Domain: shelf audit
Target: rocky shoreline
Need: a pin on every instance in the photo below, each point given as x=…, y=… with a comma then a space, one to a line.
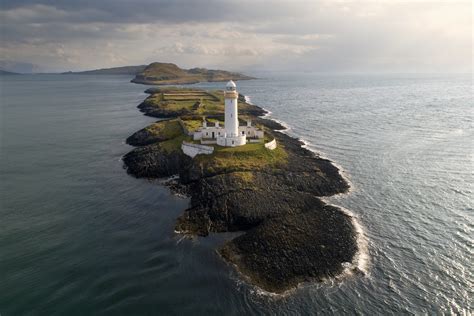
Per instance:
x=291, y=236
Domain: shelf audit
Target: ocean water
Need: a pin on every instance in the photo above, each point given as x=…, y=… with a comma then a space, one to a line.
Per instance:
x=78, y=236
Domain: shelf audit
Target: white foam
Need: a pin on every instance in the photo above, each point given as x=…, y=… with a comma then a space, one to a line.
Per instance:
x=342, y=172
x=247, y=99
x=359, y=265
x=361, y=260
x=267, y=116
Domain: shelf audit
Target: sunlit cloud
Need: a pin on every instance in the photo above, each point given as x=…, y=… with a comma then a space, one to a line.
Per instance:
x=350, y=36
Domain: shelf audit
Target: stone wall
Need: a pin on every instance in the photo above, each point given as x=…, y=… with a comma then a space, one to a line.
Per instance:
x=183, y=126
x=192, y=150
x=271, y=144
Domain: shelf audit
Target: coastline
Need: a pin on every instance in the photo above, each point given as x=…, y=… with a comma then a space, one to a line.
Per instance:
x=361, y=258
x=305, y=205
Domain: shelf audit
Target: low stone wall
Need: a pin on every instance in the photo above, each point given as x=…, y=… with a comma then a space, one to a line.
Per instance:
x=271, y=144
x=192, y=150
x=183, y=126
x=208, y=141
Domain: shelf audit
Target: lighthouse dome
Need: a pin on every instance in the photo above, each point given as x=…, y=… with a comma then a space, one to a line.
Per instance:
x=230, y=86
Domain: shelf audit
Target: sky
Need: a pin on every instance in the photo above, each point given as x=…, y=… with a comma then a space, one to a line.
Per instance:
x=342, y=36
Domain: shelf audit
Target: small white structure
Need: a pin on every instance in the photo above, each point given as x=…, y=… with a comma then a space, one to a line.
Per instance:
x=231, y=134
x=192, y=150
x=271, y=144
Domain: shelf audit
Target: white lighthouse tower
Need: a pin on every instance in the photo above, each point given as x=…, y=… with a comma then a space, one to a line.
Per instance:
x=231, y=113
x=231, y=136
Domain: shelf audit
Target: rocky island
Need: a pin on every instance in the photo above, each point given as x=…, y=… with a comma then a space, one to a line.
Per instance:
x=290, y=236
x=168, y=73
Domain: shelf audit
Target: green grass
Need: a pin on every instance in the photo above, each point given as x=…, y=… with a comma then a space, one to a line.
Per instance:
x=178, y=99
x=245, y=176
x=192, y=125
x=174, y=144
x=242, y=160
x=250, y=157
x=165, y=129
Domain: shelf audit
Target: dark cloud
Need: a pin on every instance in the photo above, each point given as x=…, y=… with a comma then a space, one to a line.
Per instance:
x=146, y=11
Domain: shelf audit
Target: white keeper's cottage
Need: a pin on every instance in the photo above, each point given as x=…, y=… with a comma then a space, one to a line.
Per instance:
x=231, y=134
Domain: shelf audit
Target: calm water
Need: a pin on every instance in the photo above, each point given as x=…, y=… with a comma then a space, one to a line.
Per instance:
x=79, y=236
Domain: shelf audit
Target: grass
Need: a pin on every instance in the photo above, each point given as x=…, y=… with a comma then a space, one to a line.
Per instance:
x=250, y=157
x=192, y=125
x=245, y=176
x=179, y=99
x=165, y=129
x=213, y=120
x=174, y=144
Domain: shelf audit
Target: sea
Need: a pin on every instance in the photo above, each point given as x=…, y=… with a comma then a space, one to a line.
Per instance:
x=79, y=236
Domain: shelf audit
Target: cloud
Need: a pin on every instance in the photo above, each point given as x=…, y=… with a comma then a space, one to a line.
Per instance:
x=199, y=49
x=324, y=35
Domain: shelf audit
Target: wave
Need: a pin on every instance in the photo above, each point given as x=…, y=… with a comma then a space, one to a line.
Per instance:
x=268, y=116
x=342, y=172
x=247, y=100
x=361, y=260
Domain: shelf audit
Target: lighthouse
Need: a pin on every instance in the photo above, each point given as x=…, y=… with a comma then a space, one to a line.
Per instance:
x=231, y=134
x=231, y=137
x=231, y=113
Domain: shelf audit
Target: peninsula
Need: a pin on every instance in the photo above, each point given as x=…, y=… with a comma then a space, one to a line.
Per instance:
x=270, y=193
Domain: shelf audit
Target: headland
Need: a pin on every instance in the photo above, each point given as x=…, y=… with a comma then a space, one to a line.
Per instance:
x=290, y=236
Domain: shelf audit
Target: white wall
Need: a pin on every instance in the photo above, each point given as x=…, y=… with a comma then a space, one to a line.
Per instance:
x=232, y=141
x=192, y=150
x=271, y=145
x=231, y=117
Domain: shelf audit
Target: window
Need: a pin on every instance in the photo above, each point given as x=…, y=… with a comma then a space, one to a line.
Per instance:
x=243, y=132
x=232, y=142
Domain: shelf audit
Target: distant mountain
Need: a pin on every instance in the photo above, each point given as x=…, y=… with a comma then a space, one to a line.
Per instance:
x=126, y=70
x=167, y=73
x=19, y=67
x=7, y=73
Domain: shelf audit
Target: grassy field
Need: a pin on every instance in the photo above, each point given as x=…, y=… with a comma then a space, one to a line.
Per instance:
x=250, y=157
x=165, y=129
x=185, y=99
x=174, y=144
x=192, y=125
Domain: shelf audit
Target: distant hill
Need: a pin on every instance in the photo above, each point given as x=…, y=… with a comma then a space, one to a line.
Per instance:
x=7, y=73
x=19, y=67
x=126, y=70
x=167, y=73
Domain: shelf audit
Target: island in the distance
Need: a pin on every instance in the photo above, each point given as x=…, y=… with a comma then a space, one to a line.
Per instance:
x=270, y=193
x=167, y=73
